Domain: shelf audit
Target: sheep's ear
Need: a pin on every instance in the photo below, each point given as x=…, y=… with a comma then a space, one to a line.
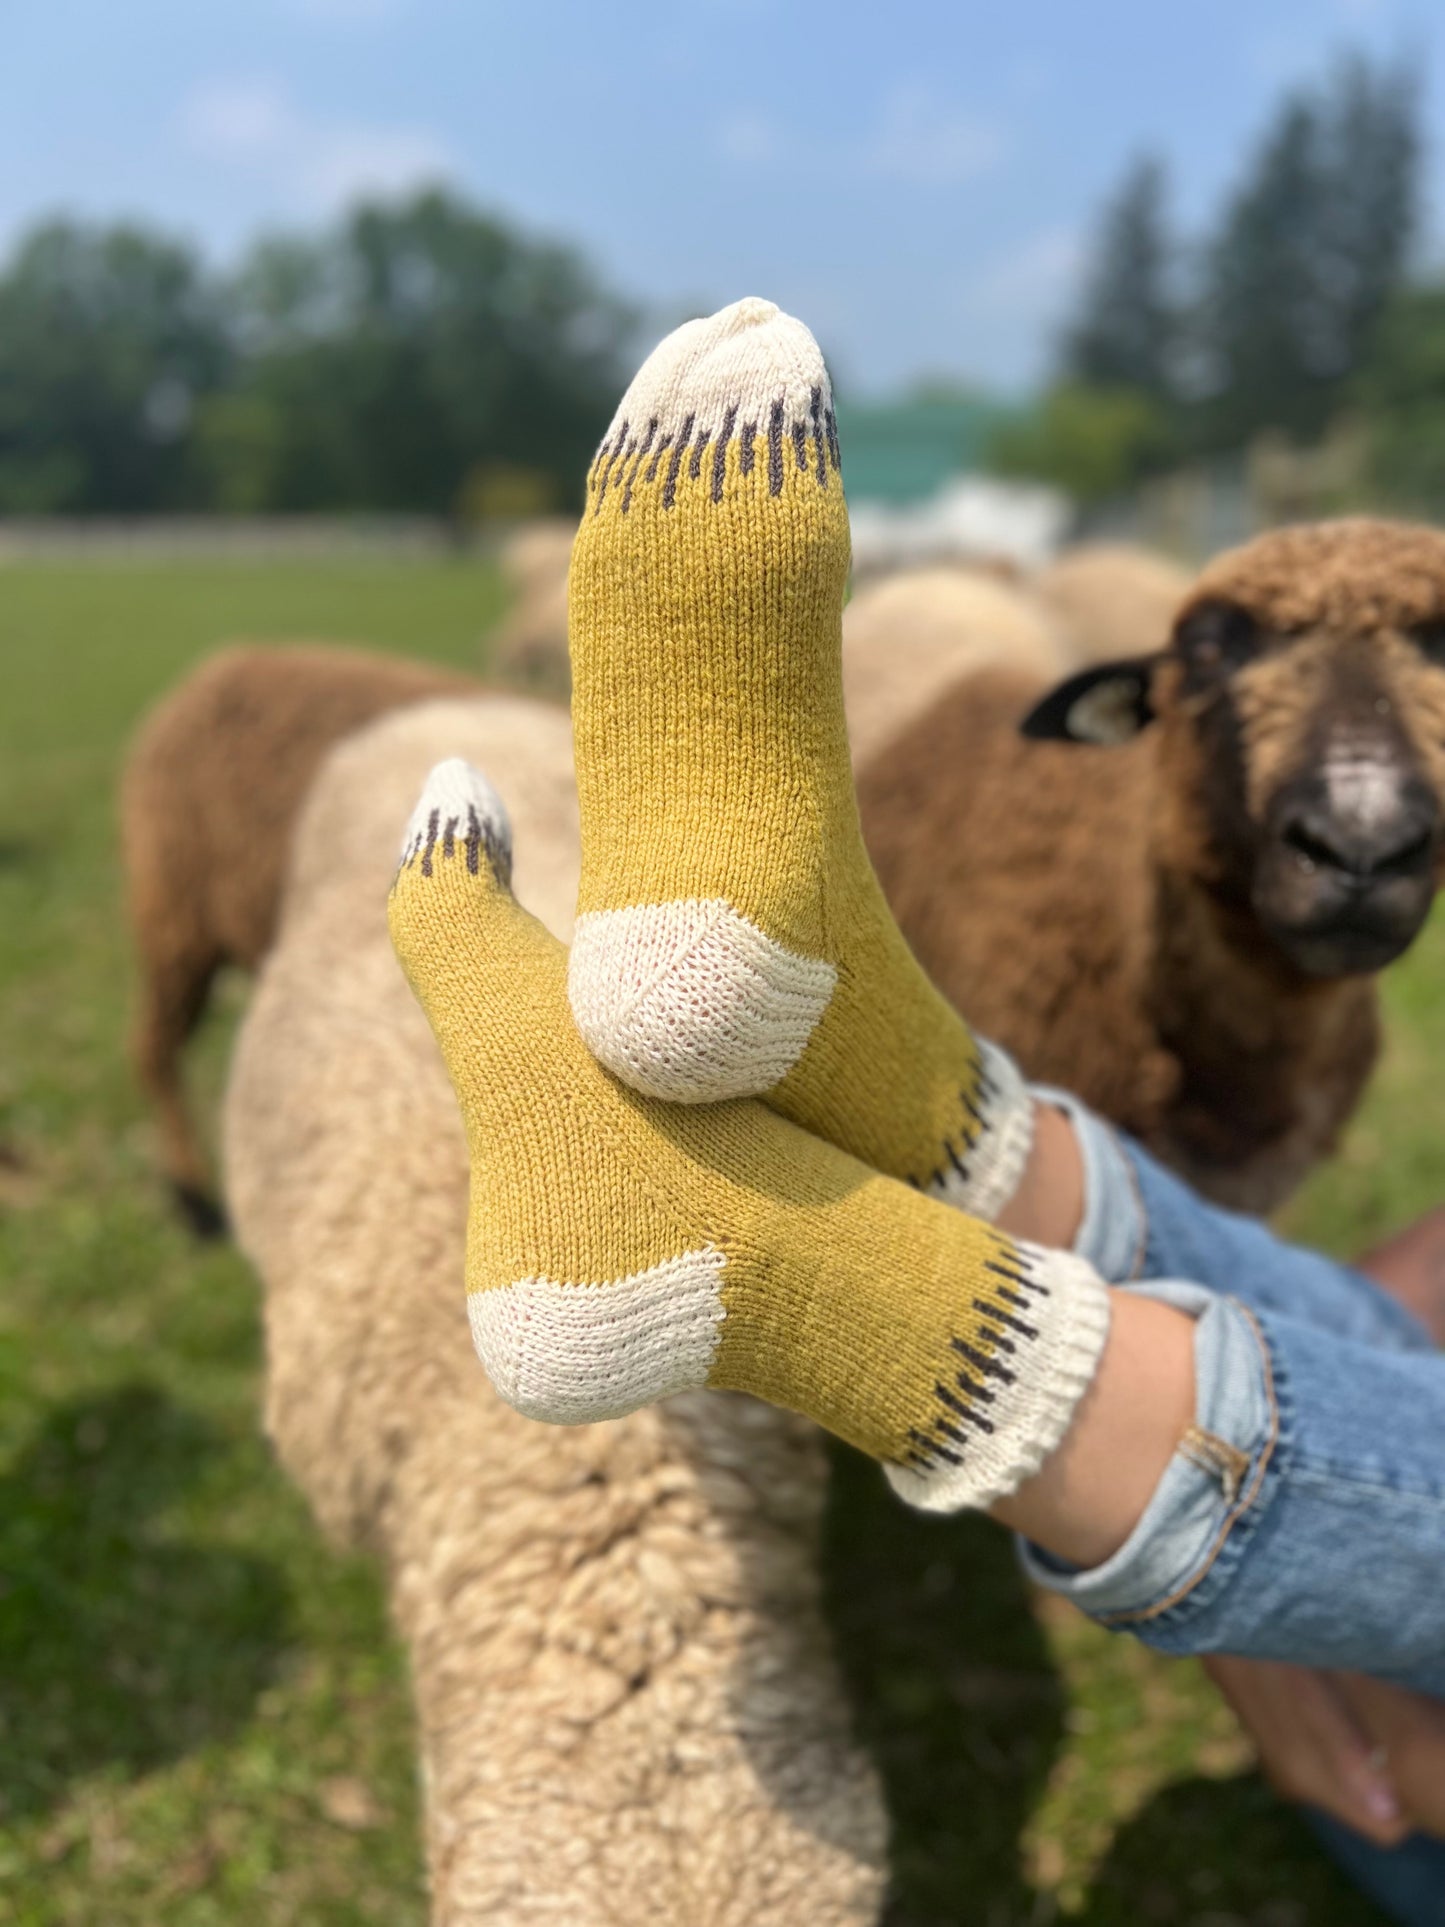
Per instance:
x=1109, y=703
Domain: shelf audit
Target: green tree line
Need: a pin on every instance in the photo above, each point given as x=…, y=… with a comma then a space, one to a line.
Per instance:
x=1298, y=309
x=418, y=357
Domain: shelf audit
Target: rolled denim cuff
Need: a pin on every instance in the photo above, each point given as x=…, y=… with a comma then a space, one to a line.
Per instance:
x=1215, y=1475
x=1113, y=1230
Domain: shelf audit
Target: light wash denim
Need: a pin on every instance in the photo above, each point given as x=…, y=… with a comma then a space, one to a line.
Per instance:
x=1306, y=1519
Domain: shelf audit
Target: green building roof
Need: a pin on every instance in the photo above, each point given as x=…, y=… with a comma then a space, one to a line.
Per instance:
x=904, y=452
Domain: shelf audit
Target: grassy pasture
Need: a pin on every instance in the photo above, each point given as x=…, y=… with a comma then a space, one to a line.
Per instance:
x=203, y=1717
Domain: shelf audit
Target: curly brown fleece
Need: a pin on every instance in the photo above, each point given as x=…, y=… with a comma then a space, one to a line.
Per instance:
x=627, y=1707
x=1070, y=898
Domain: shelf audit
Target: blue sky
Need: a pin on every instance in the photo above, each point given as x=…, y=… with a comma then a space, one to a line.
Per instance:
x=914, y=177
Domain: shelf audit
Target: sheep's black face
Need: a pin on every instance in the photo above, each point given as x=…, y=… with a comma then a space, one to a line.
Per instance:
x=1320, y=776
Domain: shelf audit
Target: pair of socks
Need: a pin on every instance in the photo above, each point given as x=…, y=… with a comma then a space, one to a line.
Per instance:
x=737, y=1139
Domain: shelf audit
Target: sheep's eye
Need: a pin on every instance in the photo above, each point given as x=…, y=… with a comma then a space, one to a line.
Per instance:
x=1216, y=638
x=1429, y=638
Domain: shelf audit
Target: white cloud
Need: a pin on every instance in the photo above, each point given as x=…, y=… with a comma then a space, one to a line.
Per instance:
x=917, y=138
x=925, y=141
x=749, y=140
x=322, y=164
x=239, y=119
x=1031, y=281
x=373, y=160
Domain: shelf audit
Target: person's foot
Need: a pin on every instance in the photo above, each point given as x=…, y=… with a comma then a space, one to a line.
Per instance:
x=731, y=937
x=621, y=1249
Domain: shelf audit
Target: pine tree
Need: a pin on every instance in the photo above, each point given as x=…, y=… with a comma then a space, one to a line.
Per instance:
x=1310, y=249
x=1125, y=335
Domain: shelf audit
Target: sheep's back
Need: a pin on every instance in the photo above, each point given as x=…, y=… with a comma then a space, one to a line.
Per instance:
x=907, y=637
x=220, y=767
x=626, y=1705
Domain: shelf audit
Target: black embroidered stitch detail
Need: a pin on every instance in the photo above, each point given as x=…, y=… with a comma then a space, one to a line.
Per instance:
x=982, y=1363
x=664, y=442
x=643, y=447
x=720, y=453
x=775, y=448
x=624, y=461
x=933, y=1449
x=816, y=410
x=669, y=487
x=446, y=836
x=606, y=474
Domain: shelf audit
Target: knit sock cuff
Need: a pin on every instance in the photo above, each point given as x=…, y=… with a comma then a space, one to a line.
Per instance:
x=1030, y=1415
x=984, y=1181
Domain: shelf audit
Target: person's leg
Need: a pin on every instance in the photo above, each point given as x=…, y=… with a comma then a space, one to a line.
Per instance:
x=1136, y=1218
x=731, y=937
x=707, y=585
x=624, y=1249
x=1303, y=1516
x=1138, y=1221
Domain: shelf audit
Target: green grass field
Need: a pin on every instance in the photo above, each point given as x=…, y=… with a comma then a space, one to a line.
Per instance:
x=203, y=1716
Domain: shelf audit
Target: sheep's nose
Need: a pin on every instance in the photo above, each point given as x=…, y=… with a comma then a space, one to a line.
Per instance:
x=1365, y=833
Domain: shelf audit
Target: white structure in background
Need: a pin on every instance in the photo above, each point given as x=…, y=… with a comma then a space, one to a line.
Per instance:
x=975, y=518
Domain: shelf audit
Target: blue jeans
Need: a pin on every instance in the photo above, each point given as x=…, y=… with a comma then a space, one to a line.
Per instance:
x=1306, y=1521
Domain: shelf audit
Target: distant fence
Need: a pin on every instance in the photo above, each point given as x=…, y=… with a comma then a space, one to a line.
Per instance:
x=1196, y=511
x=235, y=538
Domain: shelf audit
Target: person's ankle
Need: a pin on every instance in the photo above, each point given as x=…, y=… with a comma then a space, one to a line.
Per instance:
x=1088, y=1497
x=1048, y=1206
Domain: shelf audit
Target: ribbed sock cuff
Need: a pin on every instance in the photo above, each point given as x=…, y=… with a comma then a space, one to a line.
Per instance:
x=1029, y=1417
x=996, y=1160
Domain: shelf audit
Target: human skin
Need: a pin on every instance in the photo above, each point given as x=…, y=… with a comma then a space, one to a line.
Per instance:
x=1089, y=1495
x=1367, y=1753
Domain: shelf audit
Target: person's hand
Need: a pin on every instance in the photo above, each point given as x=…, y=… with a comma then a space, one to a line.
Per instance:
x=1407, y=1730
x=1411, y=1267
x=1315, y=1746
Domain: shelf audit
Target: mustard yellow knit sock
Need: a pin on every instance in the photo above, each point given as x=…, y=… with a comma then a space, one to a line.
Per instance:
x=621, y=1249
x=732, y=938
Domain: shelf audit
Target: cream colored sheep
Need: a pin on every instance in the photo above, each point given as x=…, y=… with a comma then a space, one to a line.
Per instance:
x=627, y=1709
x=908, y=636
x=1110, y=599
x=529, y=645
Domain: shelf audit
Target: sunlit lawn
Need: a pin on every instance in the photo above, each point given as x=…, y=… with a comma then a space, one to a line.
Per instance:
x=203, y=1716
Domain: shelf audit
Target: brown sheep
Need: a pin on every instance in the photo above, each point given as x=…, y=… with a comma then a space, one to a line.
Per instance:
x=906, y=637
x=211, y=789
x=627, y=1706
x=1110, y=599
x=1185, y=927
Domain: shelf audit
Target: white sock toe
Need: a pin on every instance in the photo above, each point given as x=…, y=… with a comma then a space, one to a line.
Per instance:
x=458, y=805
x=691, y=1001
